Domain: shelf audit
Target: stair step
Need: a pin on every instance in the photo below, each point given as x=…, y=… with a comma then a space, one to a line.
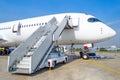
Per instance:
x=23, y=71
x=24, y=62
x=27, y=59
x=23, y=66
x=28, y=54
x=32, y=49
x=39, y=42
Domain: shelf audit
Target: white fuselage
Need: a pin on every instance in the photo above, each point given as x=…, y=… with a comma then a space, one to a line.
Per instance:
x=88, y=29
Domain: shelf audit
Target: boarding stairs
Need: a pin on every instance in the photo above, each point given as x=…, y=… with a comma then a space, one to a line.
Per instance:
x=31, y=54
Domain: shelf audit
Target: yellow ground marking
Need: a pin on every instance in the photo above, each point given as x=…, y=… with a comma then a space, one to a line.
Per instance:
x=108, y=62
x=103, y=66
x=50, y=69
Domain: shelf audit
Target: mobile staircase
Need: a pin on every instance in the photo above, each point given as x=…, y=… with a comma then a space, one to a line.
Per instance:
x=31, y=54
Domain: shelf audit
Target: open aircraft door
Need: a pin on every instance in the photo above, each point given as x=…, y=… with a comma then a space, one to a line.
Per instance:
x=75, y=22
x=16, y=28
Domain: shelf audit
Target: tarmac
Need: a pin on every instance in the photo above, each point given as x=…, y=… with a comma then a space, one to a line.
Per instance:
x=75, y=69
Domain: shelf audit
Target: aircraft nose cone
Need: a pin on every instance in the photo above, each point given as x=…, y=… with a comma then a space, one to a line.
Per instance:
x=113, y=33
x=109, y=32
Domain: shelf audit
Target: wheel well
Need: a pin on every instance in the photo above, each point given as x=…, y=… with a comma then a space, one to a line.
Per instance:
x=66, y=59
x=55, y=62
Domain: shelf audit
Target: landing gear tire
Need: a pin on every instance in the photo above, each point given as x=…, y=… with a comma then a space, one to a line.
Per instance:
x=53, y=65
x=81, y=53
x=65, y=61
x=85, y=56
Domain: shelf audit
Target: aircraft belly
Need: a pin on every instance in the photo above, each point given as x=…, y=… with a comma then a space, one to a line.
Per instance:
x=68, y=37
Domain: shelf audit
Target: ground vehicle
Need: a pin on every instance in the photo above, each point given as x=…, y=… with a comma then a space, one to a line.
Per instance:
x=56, y=56
x=6, y=50
x=87, y=52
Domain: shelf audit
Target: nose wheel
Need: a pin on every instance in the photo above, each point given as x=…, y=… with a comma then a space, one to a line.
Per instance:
x=85, y=56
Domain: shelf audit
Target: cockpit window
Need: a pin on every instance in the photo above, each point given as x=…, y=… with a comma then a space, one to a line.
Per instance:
x=93, y=20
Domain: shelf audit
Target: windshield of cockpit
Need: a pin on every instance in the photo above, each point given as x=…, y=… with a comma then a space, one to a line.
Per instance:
x=93, y=20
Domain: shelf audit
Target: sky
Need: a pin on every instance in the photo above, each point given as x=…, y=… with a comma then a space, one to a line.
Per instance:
x=107, y=11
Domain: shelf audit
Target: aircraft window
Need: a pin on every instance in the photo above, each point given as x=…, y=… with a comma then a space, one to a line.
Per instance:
x=31, y=24
x=93, y=20
x=24, y=26
x=9, y=27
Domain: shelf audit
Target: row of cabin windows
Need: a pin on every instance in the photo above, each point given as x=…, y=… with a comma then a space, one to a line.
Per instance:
x=5, y=28
x=30, y=25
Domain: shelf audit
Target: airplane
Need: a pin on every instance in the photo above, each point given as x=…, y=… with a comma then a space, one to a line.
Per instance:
x=87, y=29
